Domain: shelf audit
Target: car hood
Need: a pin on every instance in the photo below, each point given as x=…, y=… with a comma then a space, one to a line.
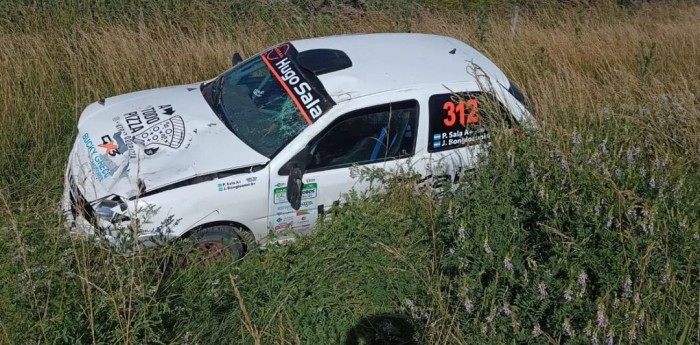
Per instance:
x=150, y=139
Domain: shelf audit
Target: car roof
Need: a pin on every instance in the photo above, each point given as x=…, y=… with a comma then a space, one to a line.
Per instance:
x=396, y=61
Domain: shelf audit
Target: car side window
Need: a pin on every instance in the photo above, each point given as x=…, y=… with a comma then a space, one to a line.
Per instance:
x=366, y=136
x=459, y=120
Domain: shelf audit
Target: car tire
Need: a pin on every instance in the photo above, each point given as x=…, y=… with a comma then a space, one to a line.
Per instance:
x=219, y=241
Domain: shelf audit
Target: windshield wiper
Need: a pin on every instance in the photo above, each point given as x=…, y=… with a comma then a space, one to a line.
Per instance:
x=213, y=94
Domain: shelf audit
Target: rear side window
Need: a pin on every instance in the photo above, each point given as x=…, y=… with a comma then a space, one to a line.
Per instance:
x=367, y=136
x=461, y=119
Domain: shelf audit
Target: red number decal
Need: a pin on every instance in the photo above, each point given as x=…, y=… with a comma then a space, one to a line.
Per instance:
x=451, y=116
x=461, y=109
x=473, y=118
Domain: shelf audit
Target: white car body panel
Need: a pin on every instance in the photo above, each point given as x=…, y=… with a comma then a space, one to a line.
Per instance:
x=203, y=174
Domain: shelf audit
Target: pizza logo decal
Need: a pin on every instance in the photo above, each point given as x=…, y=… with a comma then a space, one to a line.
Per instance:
x=170, y=132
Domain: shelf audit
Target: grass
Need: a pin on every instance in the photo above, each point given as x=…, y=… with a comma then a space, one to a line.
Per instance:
x=586, y=230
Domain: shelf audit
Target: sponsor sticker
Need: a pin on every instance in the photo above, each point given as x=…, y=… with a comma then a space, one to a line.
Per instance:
x=285, y=217
x=101, y=166
x=151, y=127
x=307, y=192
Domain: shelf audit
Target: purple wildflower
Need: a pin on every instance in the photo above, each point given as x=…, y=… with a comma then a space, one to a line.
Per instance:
x=643, y=171
x=609, y=223
x=468, y=306
x=452, y=251
x=507, y=264
x=627, y=288
x=505, y=310
x=489, y=319
x=652, y=183
x=601, y=318
x=582, y=277
x=632, y=335
x=609, y=340
x=542, y=289
x=616, y=303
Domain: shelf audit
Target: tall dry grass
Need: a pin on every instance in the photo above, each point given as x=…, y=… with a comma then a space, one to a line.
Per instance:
x=581, y=66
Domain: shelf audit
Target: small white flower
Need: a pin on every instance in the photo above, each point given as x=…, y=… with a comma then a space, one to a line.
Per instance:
x=568, y=295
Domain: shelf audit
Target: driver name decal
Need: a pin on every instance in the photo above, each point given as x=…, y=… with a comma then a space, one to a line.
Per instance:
x=303, y=88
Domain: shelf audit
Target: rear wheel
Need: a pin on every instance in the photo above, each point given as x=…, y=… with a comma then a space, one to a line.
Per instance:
x=219, y=241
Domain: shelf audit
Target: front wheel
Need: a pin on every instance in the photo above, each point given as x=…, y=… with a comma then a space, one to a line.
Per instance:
x=220, y=241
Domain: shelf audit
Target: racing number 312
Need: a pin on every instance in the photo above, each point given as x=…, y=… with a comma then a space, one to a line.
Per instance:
x=454, y=109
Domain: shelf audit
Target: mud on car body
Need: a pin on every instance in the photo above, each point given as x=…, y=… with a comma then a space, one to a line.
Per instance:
x=267, y=146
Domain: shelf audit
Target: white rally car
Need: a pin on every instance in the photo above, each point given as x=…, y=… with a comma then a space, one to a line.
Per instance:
x=268, y=146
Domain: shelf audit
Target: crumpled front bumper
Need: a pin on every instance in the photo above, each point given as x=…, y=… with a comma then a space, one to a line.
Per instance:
x=79, y=214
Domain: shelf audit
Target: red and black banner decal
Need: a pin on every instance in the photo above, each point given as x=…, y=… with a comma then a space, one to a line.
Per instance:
x=303, y=87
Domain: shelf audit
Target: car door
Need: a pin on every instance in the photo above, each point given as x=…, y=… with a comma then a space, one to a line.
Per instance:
x=382, y=136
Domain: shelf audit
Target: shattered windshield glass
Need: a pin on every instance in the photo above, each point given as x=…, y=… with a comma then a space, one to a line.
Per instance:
x=255, y=107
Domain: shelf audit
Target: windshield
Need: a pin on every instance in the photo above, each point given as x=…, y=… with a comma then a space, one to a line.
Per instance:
x=255, y=107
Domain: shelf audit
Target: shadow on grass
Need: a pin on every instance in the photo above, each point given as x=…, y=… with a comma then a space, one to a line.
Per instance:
x=386, y=329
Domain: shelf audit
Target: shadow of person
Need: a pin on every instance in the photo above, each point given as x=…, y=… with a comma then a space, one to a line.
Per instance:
x=383, y=329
